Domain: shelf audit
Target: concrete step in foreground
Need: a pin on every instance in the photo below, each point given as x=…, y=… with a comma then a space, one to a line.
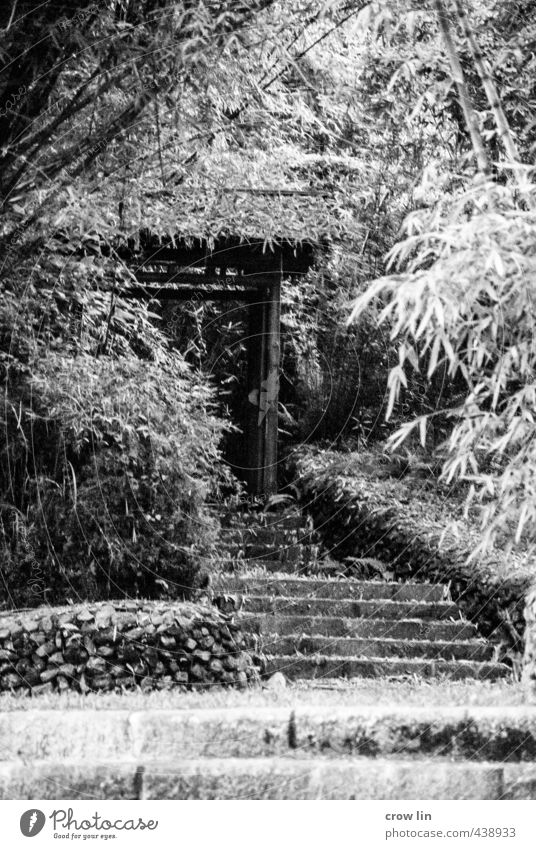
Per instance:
x=271, y=753
x=459, y=733
x=267, y=779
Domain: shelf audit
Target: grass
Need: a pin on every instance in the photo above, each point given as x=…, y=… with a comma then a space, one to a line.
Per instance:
x=416, y=692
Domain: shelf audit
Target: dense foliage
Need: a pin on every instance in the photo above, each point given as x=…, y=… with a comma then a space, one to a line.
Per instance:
x=110, y=444
x=458, y=299
x=108, y=456
x=326, y=122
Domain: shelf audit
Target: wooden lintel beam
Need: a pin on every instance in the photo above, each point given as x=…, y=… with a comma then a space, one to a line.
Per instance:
x=184, y=278
x=187, y=293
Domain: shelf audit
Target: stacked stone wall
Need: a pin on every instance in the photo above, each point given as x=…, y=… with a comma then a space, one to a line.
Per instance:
x=122, y=644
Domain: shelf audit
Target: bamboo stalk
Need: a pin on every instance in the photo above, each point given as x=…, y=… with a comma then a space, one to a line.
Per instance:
x=471, y=118
x=490, y=88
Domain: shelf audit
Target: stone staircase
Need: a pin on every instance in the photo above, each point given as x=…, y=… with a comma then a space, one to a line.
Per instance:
x=312, y=622
x=299, y=743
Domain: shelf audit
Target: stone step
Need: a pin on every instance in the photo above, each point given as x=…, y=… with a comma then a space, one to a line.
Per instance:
x=359, y=779
x=267, y=778
x=265, y=533
x=303, y=566
x=352, y=647
x=372, y=609
x=262, y=584
x=290, y=523
x=294, y=554
x=261, y=521
x=476, y=733
x=331, y=626
x=334, y=666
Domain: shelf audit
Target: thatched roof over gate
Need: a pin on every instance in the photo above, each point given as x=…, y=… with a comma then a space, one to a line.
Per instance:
x=251, y=196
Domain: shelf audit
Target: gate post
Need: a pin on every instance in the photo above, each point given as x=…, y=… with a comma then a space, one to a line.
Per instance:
x=271, y=385
x=256, y=347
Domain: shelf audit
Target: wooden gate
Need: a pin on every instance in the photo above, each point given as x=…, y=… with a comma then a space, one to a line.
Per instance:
x=230, y=270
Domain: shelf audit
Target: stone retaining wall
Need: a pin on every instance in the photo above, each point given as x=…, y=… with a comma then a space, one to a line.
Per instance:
x=122, y=644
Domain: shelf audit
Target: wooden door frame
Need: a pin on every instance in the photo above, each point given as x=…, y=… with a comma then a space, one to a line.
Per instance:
x=263, y=294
